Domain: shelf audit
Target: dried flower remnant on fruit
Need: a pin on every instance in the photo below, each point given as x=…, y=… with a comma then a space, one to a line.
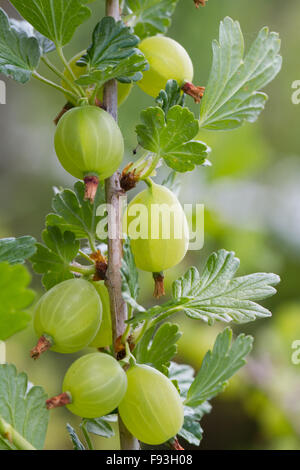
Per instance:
x=159, y=289
x=120, y=348
x=60, y=400
x=129, y=179
x=43, y=344
x=100, y=265
x=91, y=185
x=200, y=2
x=196, y=92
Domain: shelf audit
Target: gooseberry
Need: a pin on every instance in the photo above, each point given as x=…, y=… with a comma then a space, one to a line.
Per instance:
x=168, y=60
x=89, y=144
x=93, y=386
x=151, y=408
x=67, y=317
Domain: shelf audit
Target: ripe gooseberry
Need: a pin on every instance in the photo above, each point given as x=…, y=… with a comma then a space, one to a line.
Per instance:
x=151, y=408
x=104, y=336
x=67, y=317
x=158, y=229
x=168, y=60
x=124, y=89
x=93, y=386
x=89, y=145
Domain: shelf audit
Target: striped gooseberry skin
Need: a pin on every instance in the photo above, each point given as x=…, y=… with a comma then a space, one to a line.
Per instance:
x=124, y=89
x=88, y=141
x=158, y=250
x=96, y=383
x=104, y=336
x=151, y=409
x=70, y=314
x=168, y=60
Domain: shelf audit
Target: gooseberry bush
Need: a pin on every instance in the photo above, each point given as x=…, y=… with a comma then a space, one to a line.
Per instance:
x=91, y=284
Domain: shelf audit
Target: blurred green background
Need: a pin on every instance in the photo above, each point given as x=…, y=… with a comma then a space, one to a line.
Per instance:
x=252, y=206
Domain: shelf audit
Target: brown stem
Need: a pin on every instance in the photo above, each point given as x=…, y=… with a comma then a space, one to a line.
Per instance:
x=159, y=288
x=174, y=444
x=64, y=110
x=43, y=344
x=60, y=400
x=118, y=306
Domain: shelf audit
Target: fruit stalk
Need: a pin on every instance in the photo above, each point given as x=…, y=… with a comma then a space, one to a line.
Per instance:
x=113, y=276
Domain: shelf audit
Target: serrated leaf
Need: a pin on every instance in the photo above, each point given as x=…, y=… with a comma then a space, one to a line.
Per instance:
x=218, y=366
x=100, y=426
x=17, y=250
x=112, y=54
x=172, y=95
x=23, y=26
x=15, y=297
x=77, y=444
x=74, y=214
x=171, y=137
x=149, y=17
x=215, y=295
x=53, y=259
x=231, y=96
x=22, y=408
x=157, y=348
x=19, y=51
x=55, y=19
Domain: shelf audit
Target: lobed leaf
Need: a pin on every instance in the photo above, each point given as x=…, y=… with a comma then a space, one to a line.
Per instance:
x=216, y=295
x=157, y=348
x=15, y=297
x=100, y=426
x=149, y=17
x=112, y=54
x=22, y=407
x=53, y=259
x=231, y=96
x=19, y=50
x=74, y=214
x=77, y=444
x=130, y=277
x=218, y=366
x=172, y=95
x=171, y=137
x=55, y=19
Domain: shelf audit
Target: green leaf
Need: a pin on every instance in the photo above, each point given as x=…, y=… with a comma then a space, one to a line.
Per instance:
x=74, y=438
x=100, y=426
x=231, y=96
x=22, y=26
x=14, y=298
x=23, y=407
x=74, y=214
x=149, y=17
x=218, y=366
x=183, y=375
x=171, y=137
x=216, y=295
x=17, y=250
x=157, y=348
x=53, y=259
x=55, y=19
x=112, y=55
x=170, y=96
x=19, y=51
x=130, y=277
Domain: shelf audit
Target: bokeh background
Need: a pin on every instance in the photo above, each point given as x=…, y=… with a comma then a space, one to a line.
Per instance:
x=252, y=206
